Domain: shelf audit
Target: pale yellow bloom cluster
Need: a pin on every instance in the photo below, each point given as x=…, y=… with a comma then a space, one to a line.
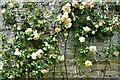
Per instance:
x=37, y=53
x=35, y=34
x=67, y=8
x=65, y=17
x=41, y=21
x=88, y=63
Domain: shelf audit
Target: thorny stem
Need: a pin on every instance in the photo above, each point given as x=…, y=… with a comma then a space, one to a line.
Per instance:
x=62, y=72
x=74, y=58
x=104, y=72
x=65, y=63
x=54, y=71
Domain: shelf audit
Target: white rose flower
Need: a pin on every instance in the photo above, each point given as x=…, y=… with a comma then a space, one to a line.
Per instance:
x=59, y=17
x=68, y=5
x=88, y=63
x=44, y=71
x=74, y=3
x=19, y=28
x=100, y=24
x=81, y=7
x=82, y=39
x=96, y=26
x=36, y=35
x=11, y=76
x=11, y=5
x=88, y=18
x=40, y=51
x=93, y=32
x=2, y=2
x=93, y=49
x=28, y=31
x=33, y=56
x=17, y=65
x=61, y=58
x=17, y=52
x=3, y=11
x=87, y=29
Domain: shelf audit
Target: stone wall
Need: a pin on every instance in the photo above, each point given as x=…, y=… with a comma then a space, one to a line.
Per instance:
x=98, y=70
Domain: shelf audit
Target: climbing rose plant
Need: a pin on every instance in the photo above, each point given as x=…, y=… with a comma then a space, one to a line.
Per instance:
x=33, y=49
x=87, y=23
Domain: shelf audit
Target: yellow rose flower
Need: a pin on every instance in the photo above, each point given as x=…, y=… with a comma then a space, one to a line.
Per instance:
x=64, y=17
x=116, y=53
x=68, y=25
x=67, y=21
x=88, y=63
x=57, y=30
